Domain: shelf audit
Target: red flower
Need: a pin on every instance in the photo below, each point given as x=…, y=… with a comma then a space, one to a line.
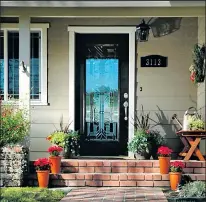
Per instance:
x=164, y=151
x=192, y=76
x=55, y=150
x=177, y=166
x=42, y=164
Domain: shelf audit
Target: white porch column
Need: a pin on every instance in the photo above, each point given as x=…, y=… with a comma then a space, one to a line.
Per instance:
x=132, y=85
x=24, y=64
x=72, y=79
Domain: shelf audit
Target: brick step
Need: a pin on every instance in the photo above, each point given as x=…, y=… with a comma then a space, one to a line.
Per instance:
x=123, y=166
x=112, y=179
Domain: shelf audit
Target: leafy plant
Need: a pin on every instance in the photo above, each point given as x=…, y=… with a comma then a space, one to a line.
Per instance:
x=30, y=194
x=193, y=189
x=141, y=121
x=155, y=138
x=58, y=138
x=176, y=166
x=196, y=123
x=197, y=69
x=139, y=143
x=42, y=164
x=14, y=125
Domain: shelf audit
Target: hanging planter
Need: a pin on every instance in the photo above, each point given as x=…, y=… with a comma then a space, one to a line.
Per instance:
x=164, y=154
x=197, y=69
x=55, y=159
x=42, y=166
x=176, y=168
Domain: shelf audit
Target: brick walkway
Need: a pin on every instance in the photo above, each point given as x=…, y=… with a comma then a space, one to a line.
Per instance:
x=120, y=194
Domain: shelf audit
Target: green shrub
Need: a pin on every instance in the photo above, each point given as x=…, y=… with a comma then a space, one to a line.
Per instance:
x=139, y=143
x=193, y=189
x=30, y=195
x=14, y=125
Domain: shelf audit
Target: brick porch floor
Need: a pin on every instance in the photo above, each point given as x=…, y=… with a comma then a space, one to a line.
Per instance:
x=120, y=194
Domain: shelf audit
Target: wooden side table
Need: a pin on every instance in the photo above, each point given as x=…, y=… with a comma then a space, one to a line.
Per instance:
x=191, y=140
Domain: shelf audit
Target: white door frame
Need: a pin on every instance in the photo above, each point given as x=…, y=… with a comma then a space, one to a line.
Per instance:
x=103, y=30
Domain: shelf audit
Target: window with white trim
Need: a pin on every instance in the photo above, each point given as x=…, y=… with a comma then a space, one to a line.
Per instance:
x=9, y=62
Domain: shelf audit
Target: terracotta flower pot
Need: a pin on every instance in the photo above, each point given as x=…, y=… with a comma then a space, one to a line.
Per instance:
x=55, y=164
x=164, y=163
x=43, y=178
x=175, y=178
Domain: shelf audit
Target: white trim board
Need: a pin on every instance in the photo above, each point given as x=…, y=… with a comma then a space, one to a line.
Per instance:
x=42, y=27
x=103, y=30
x=106, y=3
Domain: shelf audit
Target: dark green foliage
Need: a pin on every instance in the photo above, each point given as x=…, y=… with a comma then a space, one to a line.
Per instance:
x=199, y=62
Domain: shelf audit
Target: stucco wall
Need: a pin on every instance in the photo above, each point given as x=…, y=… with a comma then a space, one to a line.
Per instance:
x=201, y=89
x=168, y=89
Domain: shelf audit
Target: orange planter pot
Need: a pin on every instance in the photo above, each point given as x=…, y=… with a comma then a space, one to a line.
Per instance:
x=43, y=178
x=55, y=164
x=164, y=163
x=175, y=180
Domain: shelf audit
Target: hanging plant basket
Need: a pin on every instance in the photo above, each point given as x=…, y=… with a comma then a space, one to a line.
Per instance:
x=197, y=69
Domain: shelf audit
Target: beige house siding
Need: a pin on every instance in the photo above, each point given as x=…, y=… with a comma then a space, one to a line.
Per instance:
x=201, y=89
x=166, y=91
x=167, y=88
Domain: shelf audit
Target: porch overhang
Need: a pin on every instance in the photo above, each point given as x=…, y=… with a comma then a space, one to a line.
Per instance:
x=112, y=12
x=102, y=3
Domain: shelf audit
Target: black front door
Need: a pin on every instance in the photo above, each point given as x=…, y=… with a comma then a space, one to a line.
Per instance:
x=101, y=93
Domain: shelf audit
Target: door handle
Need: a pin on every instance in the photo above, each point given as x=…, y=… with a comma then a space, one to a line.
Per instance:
x=125, y=104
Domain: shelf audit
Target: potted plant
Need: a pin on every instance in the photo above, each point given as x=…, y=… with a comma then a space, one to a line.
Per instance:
x=42, y=166
x=57, y=138
x=140, y=145
x=195, y=123
x=175, y=174
x=65, y=138
x=156, y=140
x=148, y=140
x=192, y=191
x=55, y=159
x=72, y=144
x=164, y=156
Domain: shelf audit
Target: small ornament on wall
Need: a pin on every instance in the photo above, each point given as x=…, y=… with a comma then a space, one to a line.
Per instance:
x=154, y=61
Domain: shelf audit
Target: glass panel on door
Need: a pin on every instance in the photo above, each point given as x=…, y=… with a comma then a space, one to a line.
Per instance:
x=102, y=103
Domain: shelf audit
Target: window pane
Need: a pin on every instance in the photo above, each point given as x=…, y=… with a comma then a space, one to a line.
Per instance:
x=102, y=108
x=35, y=65
x=13, y=66
x=13, y=56
x=2, y=65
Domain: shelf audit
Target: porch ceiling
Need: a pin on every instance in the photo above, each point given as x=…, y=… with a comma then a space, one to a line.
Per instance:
x=103, y=12
x=102, y=3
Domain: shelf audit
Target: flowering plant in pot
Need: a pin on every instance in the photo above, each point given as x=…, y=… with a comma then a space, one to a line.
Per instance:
x=176, y=169
x=164, y=156
x=55, y=159
x=42, y=166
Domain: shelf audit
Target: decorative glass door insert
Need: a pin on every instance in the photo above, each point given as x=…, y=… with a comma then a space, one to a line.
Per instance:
x=102, y=99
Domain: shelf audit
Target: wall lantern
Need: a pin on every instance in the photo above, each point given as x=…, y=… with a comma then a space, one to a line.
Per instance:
x=142, y=31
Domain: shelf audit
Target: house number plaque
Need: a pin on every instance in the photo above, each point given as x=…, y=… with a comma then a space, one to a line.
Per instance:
x=154, y=61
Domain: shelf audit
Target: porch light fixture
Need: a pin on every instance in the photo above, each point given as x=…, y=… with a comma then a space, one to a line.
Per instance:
x=142, y=31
